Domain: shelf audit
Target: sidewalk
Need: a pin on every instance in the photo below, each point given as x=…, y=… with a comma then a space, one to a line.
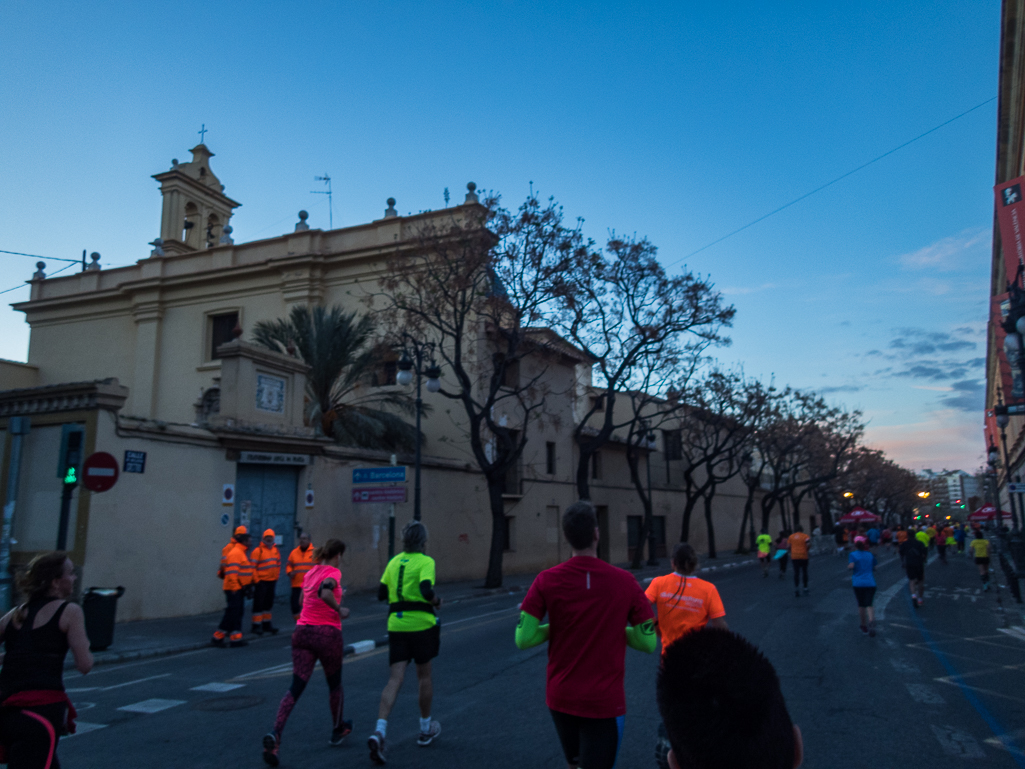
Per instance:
x=143, y=639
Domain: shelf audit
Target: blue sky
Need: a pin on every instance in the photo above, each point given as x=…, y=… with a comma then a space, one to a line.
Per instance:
x=678, y=121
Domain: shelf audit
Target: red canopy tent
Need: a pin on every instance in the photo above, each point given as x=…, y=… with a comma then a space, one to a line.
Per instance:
x=859, y=515
x=988, y=513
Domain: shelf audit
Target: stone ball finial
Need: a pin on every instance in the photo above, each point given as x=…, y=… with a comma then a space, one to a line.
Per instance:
x=39, y=274
x=225, y=239
x=158, y=247
x=471, y=194
x=390, y=211
x=391, y=201
x=95, y=263
x=174, y=162
x=471, y=186
x=301, y=226
x=303, y=215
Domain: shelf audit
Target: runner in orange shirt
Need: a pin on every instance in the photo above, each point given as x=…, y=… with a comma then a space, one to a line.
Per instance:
x=799, y=557
x=683, y=602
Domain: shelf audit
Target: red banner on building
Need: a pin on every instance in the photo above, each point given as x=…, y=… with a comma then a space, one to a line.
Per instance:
x=1011, y=216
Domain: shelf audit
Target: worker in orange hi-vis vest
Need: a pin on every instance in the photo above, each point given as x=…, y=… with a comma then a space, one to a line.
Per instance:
x=300, y=561
x=267, y=565
x=238, y=578
x=239, y=530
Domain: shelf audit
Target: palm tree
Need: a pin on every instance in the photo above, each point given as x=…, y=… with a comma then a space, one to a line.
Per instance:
x=339, y=350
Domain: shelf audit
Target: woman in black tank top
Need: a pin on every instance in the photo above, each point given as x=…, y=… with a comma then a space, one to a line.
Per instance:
x=34, y=710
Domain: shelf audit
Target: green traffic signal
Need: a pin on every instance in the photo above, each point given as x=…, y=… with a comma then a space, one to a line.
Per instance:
x=939, y=504
x=71, y=477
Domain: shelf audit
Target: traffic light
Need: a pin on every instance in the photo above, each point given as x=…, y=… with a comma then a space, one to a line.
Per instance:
x=939, y=504
x=69, y=462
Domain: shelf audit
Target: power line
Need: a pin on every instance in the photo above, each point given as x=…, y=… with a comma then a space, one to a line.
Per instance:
x=22, y=285
x=37, y=256
x=834, y=181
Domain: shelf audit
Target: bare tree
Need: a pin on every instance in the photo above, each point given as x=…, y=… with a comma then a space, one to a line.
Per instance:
x=621, y=308
x=477, y=288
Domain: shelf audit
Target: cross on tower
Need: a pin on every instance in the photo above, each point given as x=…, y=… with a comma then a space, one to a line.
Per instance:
x=202, y=133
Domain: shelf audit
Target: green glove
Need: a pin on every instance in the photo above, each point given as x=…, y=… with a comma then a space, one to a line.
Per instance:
x=530, y=632
x=642, y=637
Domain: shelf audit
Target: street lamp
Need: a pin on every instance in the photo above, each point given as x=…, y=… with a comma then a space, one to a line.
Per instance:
x=408, y=369
x=1002, y=419
x=848, y=494
x=923, y=494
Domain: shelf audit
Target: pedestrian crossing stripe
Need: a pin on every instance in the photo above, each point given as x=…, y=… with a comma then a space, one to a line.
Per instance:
x=216, y=686
x=151, y=706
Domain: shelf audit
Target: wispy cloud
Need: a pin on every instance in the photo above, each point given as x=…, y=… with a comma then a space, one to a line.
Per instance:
x=847, y=388
x=946, y=254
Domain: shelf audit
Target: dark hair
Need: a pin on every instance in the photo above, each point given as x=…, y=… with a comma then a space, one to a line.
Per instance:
x=798, y=527
x=722, y=705
x=978, y=533
x=684, y=559
x=40, y=574
x=862, y=545
x=578, y=524
x=329, y=550
x=414, y=537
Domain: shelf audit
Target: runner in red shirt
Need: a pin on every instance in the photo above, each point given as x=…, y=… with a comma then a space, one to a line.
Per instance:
x=595, y=610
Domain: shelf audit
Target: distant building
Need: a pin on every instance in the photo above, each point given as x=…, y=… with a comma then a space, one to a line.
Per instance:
x=950, y=491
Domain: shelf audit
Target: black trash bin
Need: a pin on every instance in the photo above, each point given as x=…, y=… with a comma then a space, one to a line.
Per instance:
x=100, y=607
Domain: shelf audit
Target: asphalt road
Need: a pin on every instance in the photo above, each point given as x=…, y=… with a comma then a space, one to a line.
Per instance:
x=939, y=687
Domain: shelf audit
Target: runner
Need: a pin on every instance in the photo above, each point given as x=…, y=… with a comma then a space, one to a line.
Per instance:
x=317, y=638
x=683, y=604
x=840, y=538
x=901, y=537
x=941, y=542
x=863, y=563
x=36, y=711
x=594, y=611
x=914, y=554
x=414, y=633
x=799, y=555
x=923, y=536
x=782, y=552
x=948, y=540
x=980, y=548
x=959, y=537
x=764, y=543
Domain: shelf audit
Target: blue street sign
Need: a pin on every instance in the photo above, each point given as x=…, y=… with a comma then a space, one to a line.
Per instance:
x=379, y=474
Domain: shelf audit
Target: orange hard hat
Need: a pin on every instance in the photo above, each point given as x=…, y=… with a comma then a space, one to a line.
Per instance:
x=269, y=533
x=240, y=530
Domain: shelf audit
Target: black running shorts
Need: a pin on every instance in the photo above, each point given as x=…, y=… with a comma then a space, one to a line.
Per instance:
x=589, y=742
x=915, y=573
x=864, y=596
x=421, y=646
x=983, y=561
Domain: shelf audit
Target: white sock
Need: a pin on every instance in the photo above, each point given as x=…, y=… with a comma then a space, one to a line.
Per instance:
x=382, y=726
x=425, y=724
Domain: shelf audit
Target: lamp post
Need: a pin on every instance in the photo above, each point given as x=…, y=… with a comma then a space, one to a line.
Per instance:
x=408, y=368
x=992, y=457
x=1003, y=420
x=649, y=438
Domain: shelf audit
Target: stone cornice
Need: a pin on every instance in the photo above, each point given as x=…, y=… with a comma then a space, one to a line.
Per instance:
x=259, y=353
x=107, y=394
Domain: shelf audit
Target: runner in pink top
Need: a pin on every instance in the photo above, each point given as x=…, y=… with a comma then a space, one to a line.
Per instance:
x=317, y=636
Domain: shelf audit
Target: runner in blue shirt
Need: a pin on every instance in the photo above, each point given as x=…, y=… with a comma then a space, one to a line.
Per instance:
x=863, y=563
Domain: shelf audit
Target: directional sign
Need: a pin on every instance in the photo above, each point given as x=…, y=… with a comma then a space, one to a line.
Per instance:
x=380, y=494
x=1016, y=488
x=99, y=473
x=135, y=462
x=391, y=473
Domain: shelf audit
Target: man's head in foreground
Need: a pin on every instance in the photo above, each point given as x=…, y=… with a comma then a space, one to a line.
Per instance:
x=722, y=706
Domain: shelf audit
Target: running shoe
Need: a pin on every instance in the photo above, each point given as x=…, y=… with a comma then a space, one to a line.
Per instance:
x=426, y=738
x=271, y=743
x=338, y=735
x=920, y=602
x=268, y=628
x=220, y=643
x=376, y=745
x=864, y=629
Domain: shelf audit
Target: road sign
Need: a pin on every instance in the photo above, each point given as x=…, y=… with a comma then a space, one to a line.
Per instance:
x=309, y=498
x=135, y=462
x=392, y=473
x=228, y=495
x=99, y=473
x=380, y=494
x=1016, y=488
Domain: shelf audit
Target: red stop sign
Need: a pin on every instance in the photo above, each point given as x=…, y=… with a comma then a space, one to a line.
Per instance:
x=99, y=473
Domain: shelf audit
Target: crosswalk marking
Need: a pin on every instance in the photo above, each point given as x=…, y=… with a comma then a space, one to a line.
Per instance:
x=83, y=727
x=904, y=667
x=216, y=686
x=151, y=706
x=925, y=694
x=957, y=743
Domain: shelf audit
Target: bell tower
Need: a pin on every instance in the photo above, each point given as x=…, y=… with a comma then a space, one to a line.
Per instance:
x=196, y=210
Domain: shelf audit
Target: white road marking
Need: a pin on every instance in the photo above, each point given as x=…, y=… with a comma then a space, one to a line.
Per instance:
x=216, y=686
x=84, y=689
x=904, y=667
x=286, y=668
x=83, y=727
x=151, y=706
x=1006, y=742
x=1015, y=631
x=925, y=694
x=956, y=743
x=362, y=647
x=477, y=616
x=884, y=598
x=136, y=681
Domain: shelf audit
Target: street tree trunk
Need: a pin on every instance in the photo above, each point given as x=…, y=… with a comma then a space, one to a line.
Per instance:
x=711, y=527
x=496, y=486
